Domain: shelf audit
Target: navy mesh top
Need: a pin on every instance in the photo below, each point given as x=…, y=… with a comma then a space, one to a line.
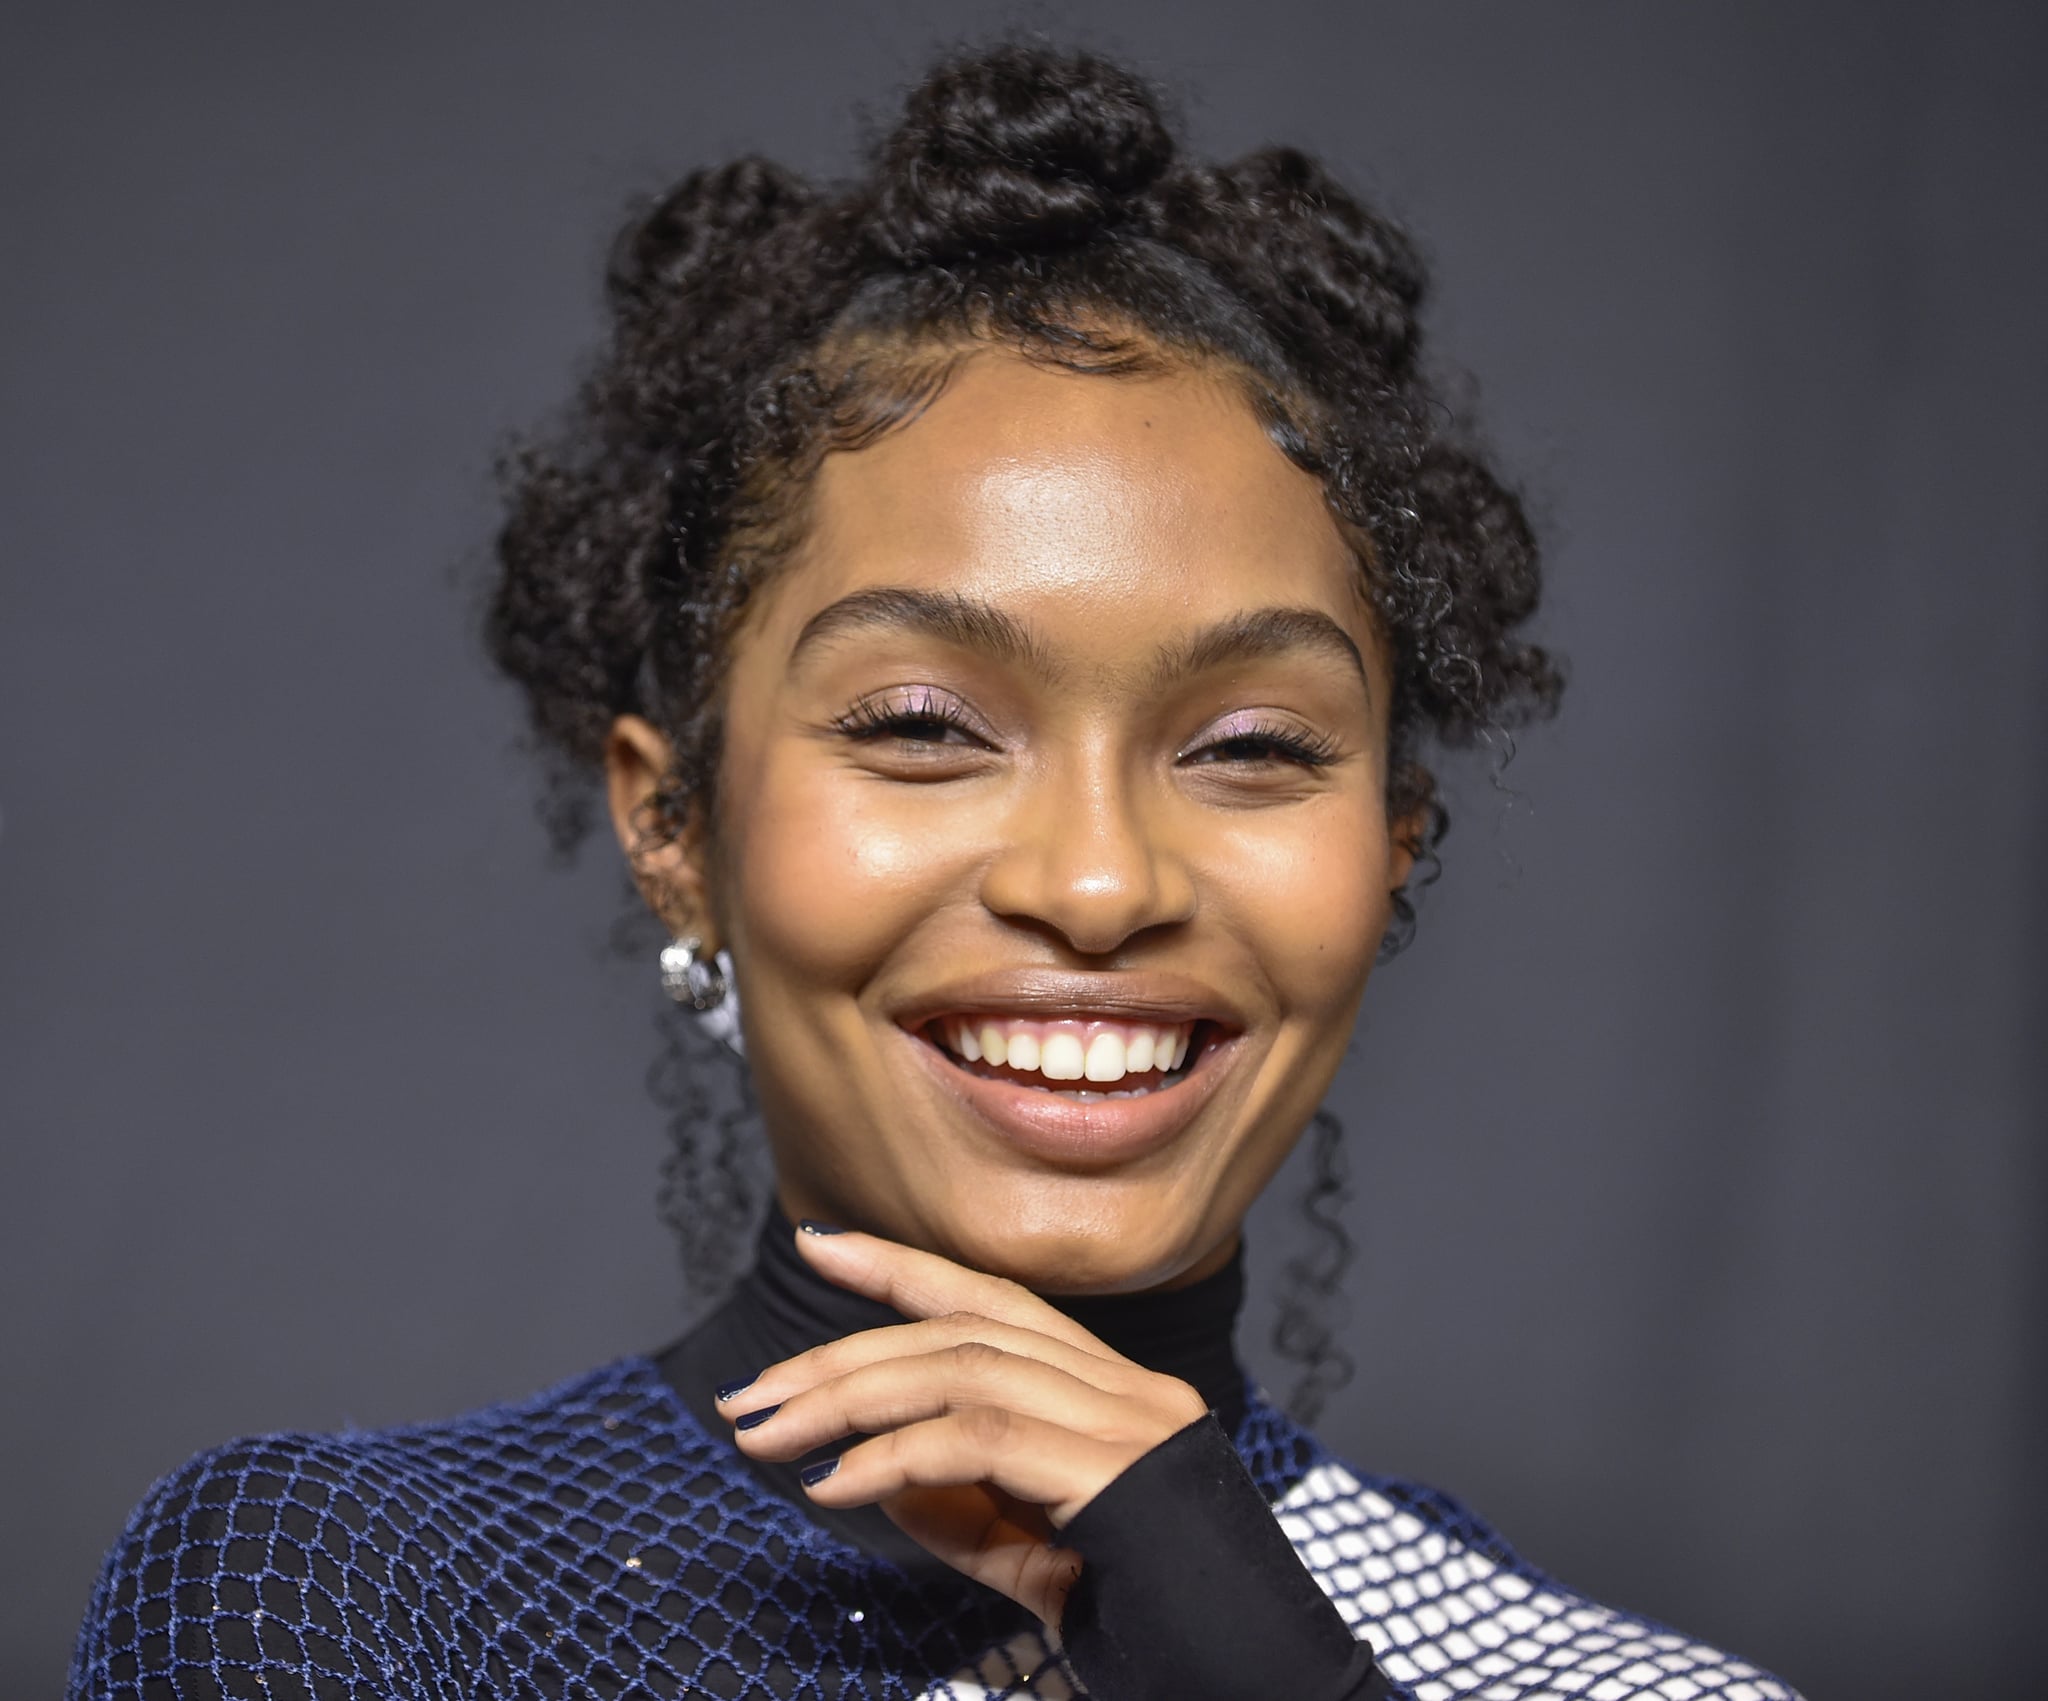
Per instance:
x=602, y=1539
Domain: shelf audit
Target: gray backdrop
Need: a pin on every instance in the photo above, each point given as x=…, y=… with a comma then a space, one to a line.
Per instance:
x=1698, y=1138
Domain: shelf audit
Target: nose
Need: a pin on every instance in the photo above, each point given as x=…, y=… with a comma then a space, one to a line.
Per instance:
x=1087, y=855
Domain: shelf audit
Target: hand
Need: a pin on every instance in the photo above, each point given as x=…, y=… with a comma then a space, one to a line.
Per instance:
x=994, y=1419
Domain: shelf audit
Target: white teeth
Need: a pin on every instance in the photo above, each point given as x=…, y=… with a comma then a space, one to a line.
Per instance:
x=1060, y=1059
x=1072, y=1049
x=1105, y=1059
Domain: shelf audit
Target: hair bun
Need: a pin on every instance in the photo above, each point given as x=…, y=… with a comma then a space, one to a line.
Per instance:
x=1338, y=264
x=699, y=223
x=1018, y=149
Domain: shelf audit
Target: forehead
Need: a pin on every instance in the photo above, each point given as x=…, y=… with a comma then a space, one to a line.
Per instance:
x=1093, y=506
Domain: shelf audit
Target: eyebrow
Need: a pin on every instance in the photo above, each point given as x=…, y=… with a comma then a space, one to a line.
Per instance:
x=973, y=624
x=947, y=615
x=1259, y=633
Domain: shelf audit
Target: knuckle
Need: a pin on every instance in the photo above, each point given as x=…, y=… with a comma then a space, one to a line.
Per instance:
x=987, y=1426
x=1013, y=1293
x=975, y=1359
x=820, y=1362
x=1185, y=1400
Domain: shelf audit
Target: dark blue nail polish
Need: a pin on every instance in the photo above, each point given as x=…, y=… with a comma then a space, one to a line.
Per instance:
x=760, y=1417
x=811, y=1225
x=726, y=1390
x=812, y=1475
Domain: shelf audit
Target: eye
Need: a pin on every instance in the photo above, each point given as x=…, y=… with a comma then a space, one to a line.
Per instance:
x=1252, y=741
x=918, y=715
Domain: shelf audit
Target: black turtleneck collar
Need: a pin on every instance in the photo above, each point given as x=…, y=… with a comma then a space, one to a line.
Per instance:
x=782, y=1307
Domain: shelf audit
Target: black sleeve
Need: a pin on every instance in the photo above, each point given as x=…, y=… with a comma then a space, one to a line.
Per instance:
x=1189, y=1588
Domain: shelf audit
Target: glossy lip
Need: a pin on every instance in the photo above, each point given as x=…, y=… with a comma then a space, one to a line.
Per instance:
x=1049, y=994
x=1054, y=1127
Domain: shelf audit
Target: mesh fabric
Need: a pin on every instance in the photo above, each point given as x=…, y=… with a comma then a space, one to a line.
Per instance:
x=595, y=1541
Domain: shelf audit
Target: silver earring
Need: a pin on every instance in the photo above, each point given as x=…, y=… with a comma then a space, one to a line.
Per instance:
x=689, y=977
x=703, y=981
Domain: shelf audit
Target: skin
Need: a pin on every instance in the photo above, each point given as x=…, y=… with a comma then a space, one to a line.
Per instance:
x=1091, y=778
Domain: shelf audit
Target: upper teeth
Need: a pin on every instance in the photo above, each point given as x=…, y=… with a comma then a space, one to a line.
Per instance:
x=1074, y=1050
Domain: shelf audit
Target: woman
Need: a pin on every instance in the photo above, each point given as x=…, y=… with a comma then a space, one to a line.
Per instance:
x=1006, y=599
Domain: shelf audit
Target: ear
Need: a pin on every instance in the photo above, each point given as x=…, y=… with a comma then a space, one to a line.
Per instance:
x=1409, y=834
x=667, y=860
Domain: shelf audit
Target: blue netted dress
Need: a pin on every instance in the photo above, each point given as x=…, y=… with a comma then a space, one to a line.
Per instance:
x=603, y=1538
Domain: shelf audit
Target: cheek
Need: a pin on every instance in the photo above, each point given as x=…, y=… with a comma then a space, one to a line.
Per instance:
x=1310, y=899
x=823, y=879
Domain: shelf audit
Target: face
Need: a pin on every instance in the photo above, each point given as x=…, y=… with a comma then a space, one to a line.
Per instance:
x=1051, y=850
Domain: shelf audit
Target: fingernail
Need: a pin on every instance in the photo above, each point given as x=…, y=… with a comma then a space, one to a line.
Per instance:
x=760, y=1417
x=811, y=1225
x=812, y=1475
x=726, y=1390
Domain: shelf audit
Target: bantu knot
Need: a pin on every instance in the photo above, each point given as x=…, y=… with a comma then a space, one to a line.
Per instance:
x=1024, y=148
x=698, y=223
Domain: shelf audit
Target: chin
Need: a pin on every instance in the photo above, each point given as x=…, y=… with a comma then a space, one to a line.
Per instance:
x=1082, y=1237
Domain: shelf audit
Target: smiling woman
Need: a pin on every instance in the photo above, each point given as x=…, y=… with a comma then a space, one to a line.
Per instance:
x=1060, y=725
x=1005, y=600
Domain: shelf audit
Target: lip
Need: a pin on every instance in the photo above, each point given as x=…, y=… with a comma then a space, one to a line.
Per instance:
x=1134, y=996
x=1068, y=1133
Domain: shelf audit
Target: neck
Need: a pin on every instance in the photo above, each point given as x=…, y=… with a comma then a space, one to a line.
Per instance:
x=782, y=1307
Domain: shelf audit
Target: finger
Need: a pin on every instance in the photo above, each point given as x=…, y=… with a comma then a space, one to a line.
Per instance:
x=842, y=1357
x=899, y=1391
x=1023, y=1456
x=922, y=1284
x=1000, y=1543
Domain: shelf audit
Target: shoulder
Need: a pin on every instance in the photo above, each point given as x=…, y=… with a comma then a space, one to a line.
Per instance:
x=1450, y=1608
x=306, y=1552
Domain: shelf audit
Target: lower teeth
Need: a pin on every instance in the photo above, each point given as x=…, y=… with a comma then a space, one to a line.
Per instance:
x=1088, y=1095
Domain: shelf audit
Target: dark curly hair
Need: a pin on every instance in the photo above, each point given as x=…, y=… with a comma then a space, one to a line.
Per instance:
x=1028, y=198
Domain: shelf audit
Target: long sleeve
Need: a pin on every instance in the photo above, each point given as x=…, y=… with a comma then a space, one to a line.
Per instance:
x=1190, y=1589
x=253, y=1571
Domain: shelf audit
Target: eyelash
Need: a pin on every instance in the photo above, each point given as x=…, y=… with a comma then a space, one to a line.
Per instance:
x=873, y=719
x=1303, y=749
